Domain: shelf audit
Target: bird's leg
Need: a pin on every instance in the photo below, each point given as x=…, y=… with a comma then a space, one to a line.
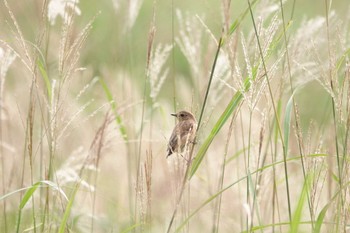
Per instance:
x=183, y=157
x=186, y=159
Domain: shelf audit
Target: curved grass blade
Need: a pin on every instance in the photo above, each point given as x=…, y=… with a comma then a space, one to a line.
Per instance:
x=236, y=155
x=210, y=81
x=320, y=218
x=240, y=18
x=234, y=103
x=207, y=202
x=32, y=189
x=287, y=119
x=13, y=192
x=239, y=180
x=118, y=119
x=29, y=193
x=132, y=228
x=45, y=77
x=264, y=227
x=47, y=182
x=323, y=212
x=68, y=210
x=343, y=58
x=298, y=211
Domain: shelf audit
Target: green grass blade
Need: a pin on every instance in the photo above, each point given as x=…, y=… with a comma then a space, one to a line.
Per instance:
x=29, y=193
x=47, y=182
x=236, y=155
x=265, y=227
x=343, y=58
x=287, y=119
x=11, y=193
x=234, y=103
x=296, y=158
x=55, y=187
x=323, y=212
x=46, y=78
x=31, y=190
x=179, y=228
x=253, y=192
x=298, y=212
x=131, y=228
x=118, y=119
x=68, y=210
x=210, y=81
x=240, y=18
x=320, y=218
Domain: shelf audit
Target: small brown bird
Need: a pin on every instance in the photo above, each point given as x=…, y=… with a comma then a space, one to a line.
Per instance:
x=183, y=133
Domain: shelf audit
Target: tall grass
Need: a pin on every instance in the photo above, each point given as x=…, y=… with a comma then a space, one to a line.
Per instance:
x=86, y=94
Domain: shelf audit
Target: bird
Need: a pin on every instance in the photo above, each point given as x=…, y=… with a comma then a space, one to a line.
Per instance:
x=184, y=132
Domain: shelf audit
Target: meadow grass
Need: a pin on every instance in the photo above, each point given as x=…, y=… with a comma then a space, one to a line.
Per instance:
x=86, y=92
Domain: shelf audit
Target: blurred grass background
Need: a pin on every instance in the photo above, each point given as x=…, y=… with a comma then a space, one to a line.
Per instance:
x=73, y=136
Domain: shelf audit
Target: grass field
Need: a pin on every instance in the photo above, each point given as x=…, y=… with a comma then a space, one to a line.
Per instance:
x=86, y=93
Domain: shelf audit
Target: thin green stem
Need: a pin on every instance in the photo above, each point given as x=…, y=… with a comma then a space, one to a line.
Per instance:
x=221, y=181
x=333, y=97
x=185, y=178
x=210, y=80
x=249, y=226
x=299, y=137
x=275, y=111
x=173, y=54
x=339, y=162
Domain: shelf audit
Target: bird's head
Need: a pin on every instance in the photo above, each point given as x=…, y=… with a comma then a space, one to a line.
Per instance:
x=183, y=116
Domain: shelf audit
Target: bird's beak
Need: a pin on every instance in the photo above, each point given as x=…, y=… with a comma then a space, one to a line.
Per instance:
x=174, y=114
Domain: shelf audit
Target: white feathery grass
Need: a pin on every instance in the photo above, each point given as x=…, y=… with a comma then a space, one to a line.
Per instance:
x=207, y=30
x=220, y=80
x=268, y=8
x=318, y=167
x=116, y=4
x=133, y=12
x=62, y=8
x=86, y=87
x=304, y=66
x=248, y=213
x=20, y=39
x=156, y=72
x=253, y=62
x=249, y=68
x=68, y=56
x=130, y=11
x=53, y=112
x=25, y=63
x=270, y=33
x=8, y=146
x=69, y=124
x=222, y=71
x=308, y=58
x=190, y=40
x=70, y=171
x=7, y=57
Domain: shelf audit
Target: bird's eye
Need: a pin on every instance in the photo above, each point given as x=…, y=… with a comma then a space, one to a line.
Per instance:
x=182, y=115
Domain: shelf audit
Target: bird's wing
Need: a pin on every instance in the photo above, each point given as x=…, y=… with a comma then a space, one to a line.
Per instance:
x=173, y=141
x=187, y=128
